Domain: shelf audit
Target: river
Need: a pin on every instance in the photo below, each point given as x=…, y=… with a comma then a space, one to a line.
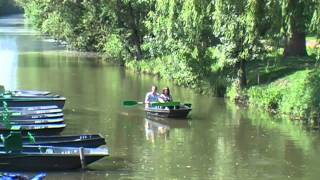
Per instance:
x=218, y=141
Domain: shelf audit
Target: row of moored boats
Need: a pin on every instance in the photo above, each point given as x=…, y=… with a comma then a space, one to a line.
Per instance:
x=30, y=127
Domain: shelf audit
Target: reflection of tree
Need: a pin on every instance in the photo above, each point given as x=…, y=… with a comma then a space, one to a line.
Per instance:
x=294, y=130
x=281, y=141
x=9, y=58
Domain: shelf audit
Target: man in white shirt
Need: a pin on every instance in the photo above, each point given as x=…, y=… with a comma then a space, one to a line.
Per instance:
x=152, y=96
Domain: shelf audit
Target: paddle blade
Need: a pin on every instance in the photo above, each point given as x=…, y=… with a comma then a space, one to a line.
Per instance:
x=131, y=103
x=166, y=104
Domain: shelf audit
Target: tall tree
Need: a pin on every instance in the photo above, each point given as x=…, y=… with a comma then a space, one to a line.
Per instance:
x=294, y=27
x=127, y=21
x=237, y=25
x=315, y=23
x=182, y=31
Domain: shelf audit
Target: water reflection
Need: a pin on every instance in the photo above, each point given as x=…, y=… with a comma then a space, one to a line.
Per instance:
x=9, y=61
x=160, y=128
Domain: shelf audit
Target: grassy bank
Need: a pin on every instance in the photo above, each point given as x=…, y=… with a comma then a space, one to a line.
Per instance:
x=288, y=86
x=206, y=46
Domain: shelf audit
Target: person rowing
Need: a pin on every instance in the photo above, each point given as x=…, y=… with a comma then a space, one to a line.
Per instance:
x=152, y=96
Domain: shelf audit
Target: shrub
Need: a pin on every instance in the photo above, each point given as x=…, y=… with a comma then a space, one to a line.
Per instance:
x=297, y=95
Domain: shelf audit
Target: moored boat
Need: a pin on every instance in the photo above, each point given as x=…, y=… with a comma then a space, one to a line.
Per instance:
x=178, y=112
x=31, y=112
x=36, y=116
x=27, y=93
x=83, y=140
x=31, y=92
x=36, y=129
x=32, y=101
x=30, y=108
x=36, y=121
x=34, y=158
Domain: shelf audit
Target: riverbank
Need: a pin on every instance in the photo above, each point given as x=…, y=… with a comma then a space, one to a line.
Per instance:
x=288, y=86
x=197, y=52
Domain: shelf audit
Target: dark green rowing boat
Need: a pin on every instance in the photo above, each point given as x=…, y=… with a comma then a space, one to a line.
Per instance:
x=32, y=101
x=178, y=112
x=35, y=158
x=36, y=129
x=83, y=140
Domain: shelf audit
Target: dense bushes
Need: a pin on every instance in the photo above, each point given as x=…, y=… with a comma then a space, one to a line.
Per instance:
x=167, y=67
x=296, y=95
x=203, y=44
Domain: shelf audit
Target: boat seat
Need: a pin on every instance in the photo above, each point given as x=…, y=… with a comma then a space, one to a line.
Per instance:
x=13, y=142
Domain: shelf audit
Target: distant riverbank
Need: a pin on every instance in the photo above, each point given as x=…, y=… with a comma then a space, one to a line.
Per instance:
x=196, y=51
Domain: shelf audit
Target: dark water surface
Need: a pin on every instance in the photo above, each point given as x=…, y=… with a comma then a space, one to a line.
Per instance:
x=219, y=141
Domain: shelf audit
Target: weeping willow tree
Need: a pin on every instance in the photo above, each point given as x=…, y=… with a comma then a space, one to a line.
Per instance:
x=180, y=34
x=315, y=23
x=97, y=25
x=61, y=19
x=237, y=25
x=127, y=23
x=296, y=17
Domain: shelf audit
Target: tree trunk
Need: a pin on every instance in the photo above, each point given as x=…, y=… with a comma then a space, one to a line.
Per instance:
x=296, y=45
x=241, y=82
x=242, y=74
x=138, y=51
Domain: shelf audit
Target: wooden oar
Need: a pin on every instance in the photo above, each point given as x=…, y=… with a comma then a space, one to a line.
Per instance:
x=133, y=103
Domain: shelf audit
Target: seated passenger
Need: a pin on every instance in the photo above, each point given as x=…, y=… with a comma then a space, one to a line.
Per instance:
x=165, y=96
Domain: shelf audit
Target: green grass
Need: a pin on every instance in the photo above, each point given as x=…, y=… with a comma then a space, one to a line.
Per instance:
x=311, y=38
x=272, y=69
x=296, y=95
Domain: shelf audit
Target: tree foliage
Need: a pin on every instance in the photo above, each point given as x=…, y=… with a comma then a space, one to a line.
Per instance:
x=191, y=40
x=237, y=26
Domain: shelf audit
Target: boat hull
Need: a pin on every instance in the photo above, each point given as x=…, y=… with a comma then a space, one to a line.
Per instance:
x=177, y=113
x=86, y=140
x=37, y=121
x=38, y=129
x=50, y=163
x=49, y=158
x=36, y=116
x=14, y=113
x=33, y=101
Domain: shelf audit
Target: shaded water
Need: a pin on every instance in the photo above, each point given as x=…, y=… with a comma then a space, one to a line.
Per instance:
x=219, y=141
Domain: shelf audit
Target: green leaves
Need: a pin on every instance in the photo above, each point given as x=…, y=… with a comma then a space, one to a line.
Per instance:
x=6, y=115
x=296, y=95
